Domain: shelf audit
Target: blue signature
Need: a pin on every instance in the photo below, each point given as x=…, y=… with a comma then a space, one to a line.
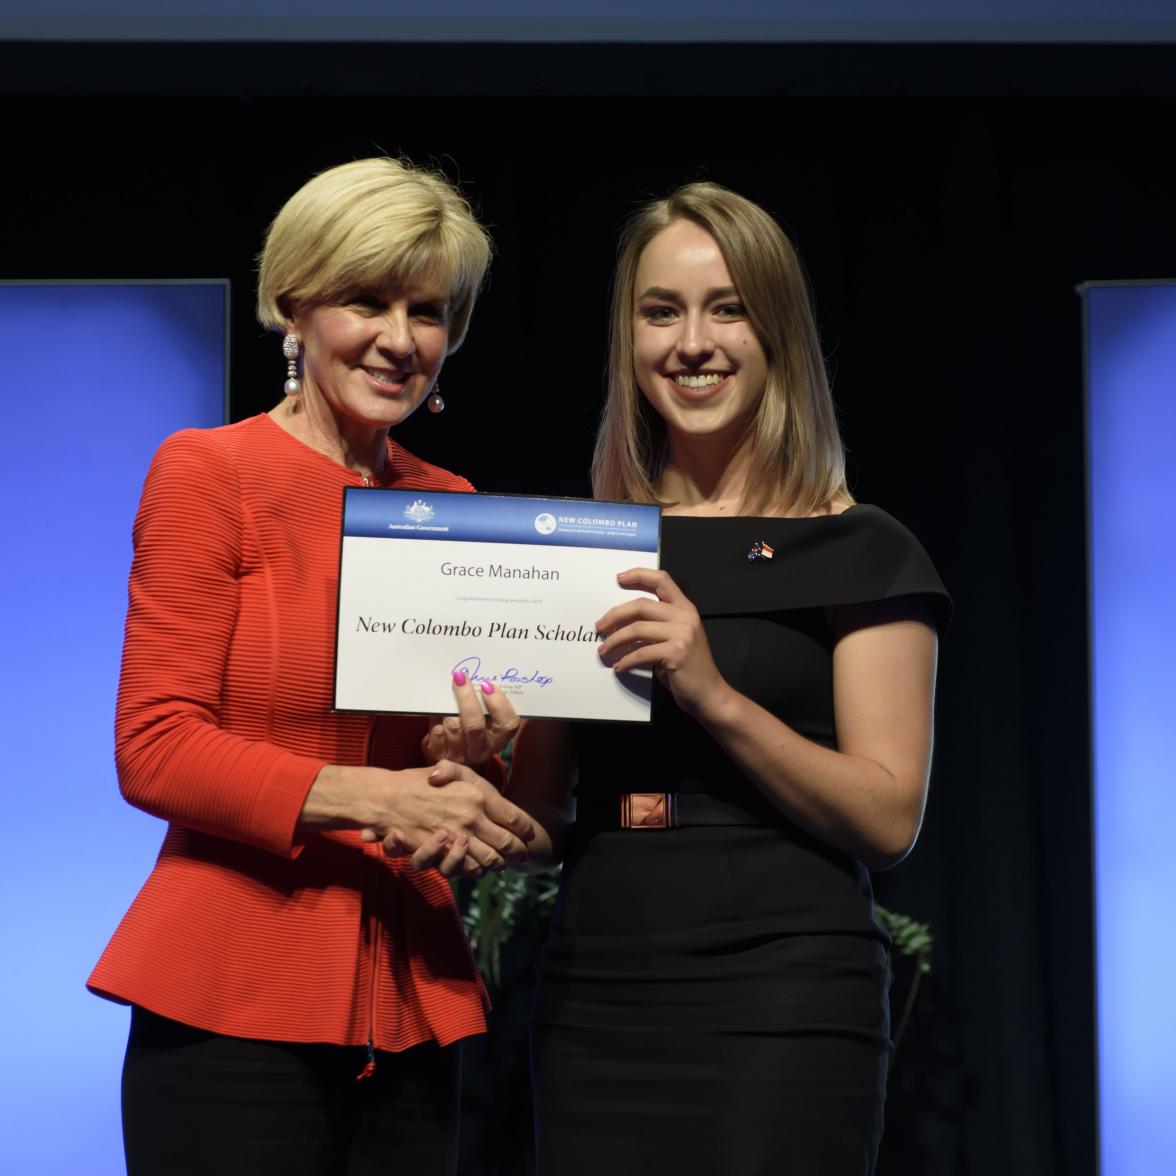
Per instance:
x=472, y=668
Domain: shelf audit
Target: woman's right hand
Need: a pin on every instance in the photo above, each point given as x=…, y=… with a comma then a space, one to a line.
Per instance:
x=448, y=806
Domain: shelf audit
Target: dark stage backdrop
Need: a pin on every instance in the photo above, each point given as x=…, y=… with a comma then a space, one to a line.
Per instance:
x=947, y=205
x=590, y=20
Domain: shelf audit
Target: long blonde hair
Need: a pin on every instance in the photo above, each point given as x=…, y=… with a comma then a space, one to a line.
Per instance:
x=797, y=460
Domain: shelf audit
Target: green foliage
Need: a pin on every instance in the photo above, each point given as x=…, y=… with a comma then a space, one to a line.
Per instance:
x=498, y=905
x=910, y=937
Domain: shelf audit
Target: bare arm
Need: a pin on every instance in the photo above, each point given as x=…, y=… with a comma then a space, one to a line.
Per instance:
x=867, y=797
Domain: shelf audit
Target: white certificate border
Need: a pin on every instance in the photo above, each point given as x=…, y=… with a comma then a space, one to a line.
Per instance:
x=537, y=499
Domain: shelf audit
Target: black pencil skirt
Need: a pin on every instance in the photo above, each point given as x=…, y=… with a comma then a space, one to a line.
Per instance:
x=681, y=1026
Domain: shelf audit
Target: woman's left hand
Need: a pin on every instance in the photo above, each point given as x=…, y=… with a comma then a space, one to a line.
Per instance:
x=473, y=735
x=666, y=635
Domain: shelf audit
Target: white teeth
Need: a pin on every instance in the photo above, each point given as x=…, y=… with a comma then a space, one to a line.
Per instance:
x=704, y=381
x=383, y=375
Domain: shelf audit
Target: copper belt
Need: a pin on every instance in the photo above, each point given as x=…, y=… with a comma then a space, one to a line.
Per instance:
x=663, y=814
x=669, y=810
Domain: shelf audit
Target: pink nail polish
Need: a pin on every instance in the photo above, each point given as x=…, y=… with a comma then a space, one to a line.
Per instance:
x=487, y=687
x=459, y=678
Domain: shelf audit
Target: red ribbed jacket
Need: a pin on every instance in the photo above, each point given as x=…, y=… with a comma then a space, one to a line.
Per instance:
x=224, y=719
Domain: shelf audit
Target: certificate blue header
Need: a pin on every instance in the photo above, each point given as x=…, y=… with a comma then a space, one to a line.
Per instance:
x=498, y=518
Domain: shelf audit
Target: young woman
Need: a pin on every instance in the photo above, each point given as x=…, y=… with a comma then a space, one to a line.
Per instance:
x=713, y=998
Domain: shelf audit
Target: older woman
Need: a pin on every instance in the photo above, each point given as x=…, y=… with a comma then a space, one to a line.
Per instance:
x=713, y=995
x=275, y=954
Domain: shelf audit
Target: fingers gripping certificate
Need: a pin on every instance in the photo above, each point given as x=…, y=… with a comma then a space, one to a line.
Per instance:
x=506, y=589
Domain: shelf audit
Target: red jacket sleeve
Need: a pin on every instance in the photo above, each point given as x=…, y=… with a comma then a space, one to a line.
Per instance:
x=174, y=759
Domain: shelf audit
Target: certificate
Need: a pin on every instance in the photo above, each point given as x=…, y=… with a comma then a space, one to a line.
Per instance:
x=506, y=589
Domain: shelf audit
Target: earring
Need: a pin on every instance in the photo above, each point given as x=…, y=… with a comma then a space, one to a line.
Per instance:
x=436, y=400
x=291, y=349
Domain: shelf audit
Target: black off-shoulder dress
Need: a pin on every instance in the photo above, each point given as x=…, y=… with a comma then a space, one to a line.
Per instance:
x=712, y=998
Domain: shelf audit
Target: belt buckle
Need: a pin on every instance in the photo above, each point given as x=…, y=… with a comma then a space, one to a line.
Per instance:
x=663, y=815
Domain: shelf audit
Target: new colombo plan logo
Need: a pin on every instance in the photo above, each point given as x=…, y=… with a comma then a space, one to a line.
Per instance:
x=419, y=512
x=545, y=523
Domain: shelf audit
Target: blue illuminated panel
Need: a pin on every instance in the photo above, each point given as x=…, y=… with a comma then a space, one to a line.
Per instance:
x=1131, y=379
x=94, y=377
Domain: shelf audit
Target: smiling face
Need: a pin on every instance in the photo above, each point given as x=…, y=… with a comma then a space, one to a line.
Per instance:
x=696, y=357
x=372, y=359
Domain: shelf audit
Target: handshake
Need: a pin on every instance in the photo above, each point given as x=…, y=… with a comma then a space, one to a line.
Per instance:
x=450, y=819
x=445, y=816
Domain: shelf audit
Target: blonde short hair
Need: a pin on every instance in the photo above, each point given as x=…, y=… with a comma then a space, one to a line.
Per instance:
x=797, y=456
x=365, y=223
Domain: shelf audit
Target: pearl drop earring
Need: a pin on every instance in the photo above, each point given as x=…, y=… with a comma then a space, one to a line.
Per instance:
x=436, y=400
x=291, y=349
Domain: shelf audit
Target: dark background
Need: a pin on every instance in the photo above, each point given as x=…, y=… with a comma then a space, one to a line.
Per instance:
x=947, y=201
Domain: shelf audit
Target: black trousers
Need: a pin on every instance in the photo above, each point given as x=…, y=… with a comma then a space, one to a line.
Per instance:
x=198, y=1103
